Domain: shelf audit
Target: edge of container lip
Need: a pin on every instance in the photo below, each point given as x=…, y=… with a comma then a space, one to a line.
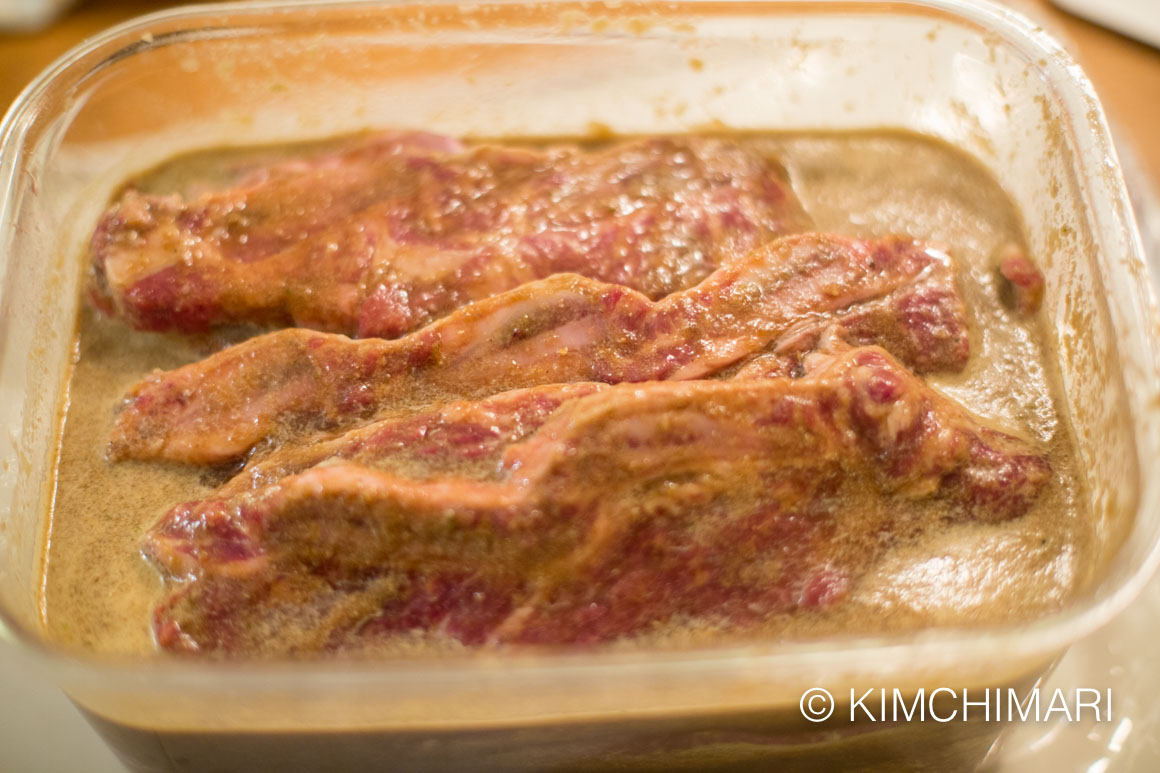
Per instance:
x=1089, y=616
x=989, y=9
x=1044, y=636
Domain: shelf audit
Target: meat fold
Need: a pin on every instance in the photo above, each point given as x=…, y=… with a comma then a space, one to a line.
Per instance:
x=461, y=438
x=638, y=506
x=382, y=237
x=566, y=328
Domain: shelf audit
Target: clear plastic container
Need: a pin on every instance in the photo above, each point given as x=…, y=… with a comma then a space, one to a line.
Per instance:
x=976, y=75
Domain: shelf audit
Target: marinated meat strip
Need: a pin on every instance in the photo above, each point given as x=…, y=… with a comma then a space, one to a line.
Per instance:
x=724, y=502
x=562, y=329
x=401, y=229
x=466, y=437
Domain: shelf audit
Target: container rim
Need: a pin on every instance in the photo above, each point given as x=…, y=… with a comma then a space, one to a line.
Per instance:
x=1047, y=634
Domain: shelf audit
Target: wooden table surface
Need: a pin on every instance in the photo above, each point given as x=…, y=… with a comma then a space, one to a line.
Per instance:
x=1126, y=73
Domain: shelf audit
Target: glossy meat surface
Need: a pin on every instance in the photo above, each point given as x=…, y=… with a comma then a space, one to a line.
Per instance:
x=566, y=328
x=626, y=508
x=383, y=237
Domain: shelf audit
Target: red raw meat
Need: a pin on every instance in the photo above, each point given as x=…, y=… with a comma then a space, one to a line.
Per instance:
x=381, y=238
x=719, y=502
x=566, y=328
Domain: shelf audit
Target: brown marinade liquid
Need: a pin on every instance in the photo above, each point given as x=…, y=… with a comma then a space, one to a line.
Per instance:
x=99, y=592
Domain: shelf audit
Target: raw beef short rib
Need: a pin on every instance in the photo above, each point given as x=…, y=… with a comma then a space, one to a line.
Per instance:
x=566, y=328
x=636, y=506
x=380, y=238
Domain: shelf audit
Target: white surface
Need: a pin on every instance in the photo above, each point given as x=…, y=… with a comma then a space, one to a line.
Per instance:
x=29, y=15
x=41, y=731
x=1139, y=19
